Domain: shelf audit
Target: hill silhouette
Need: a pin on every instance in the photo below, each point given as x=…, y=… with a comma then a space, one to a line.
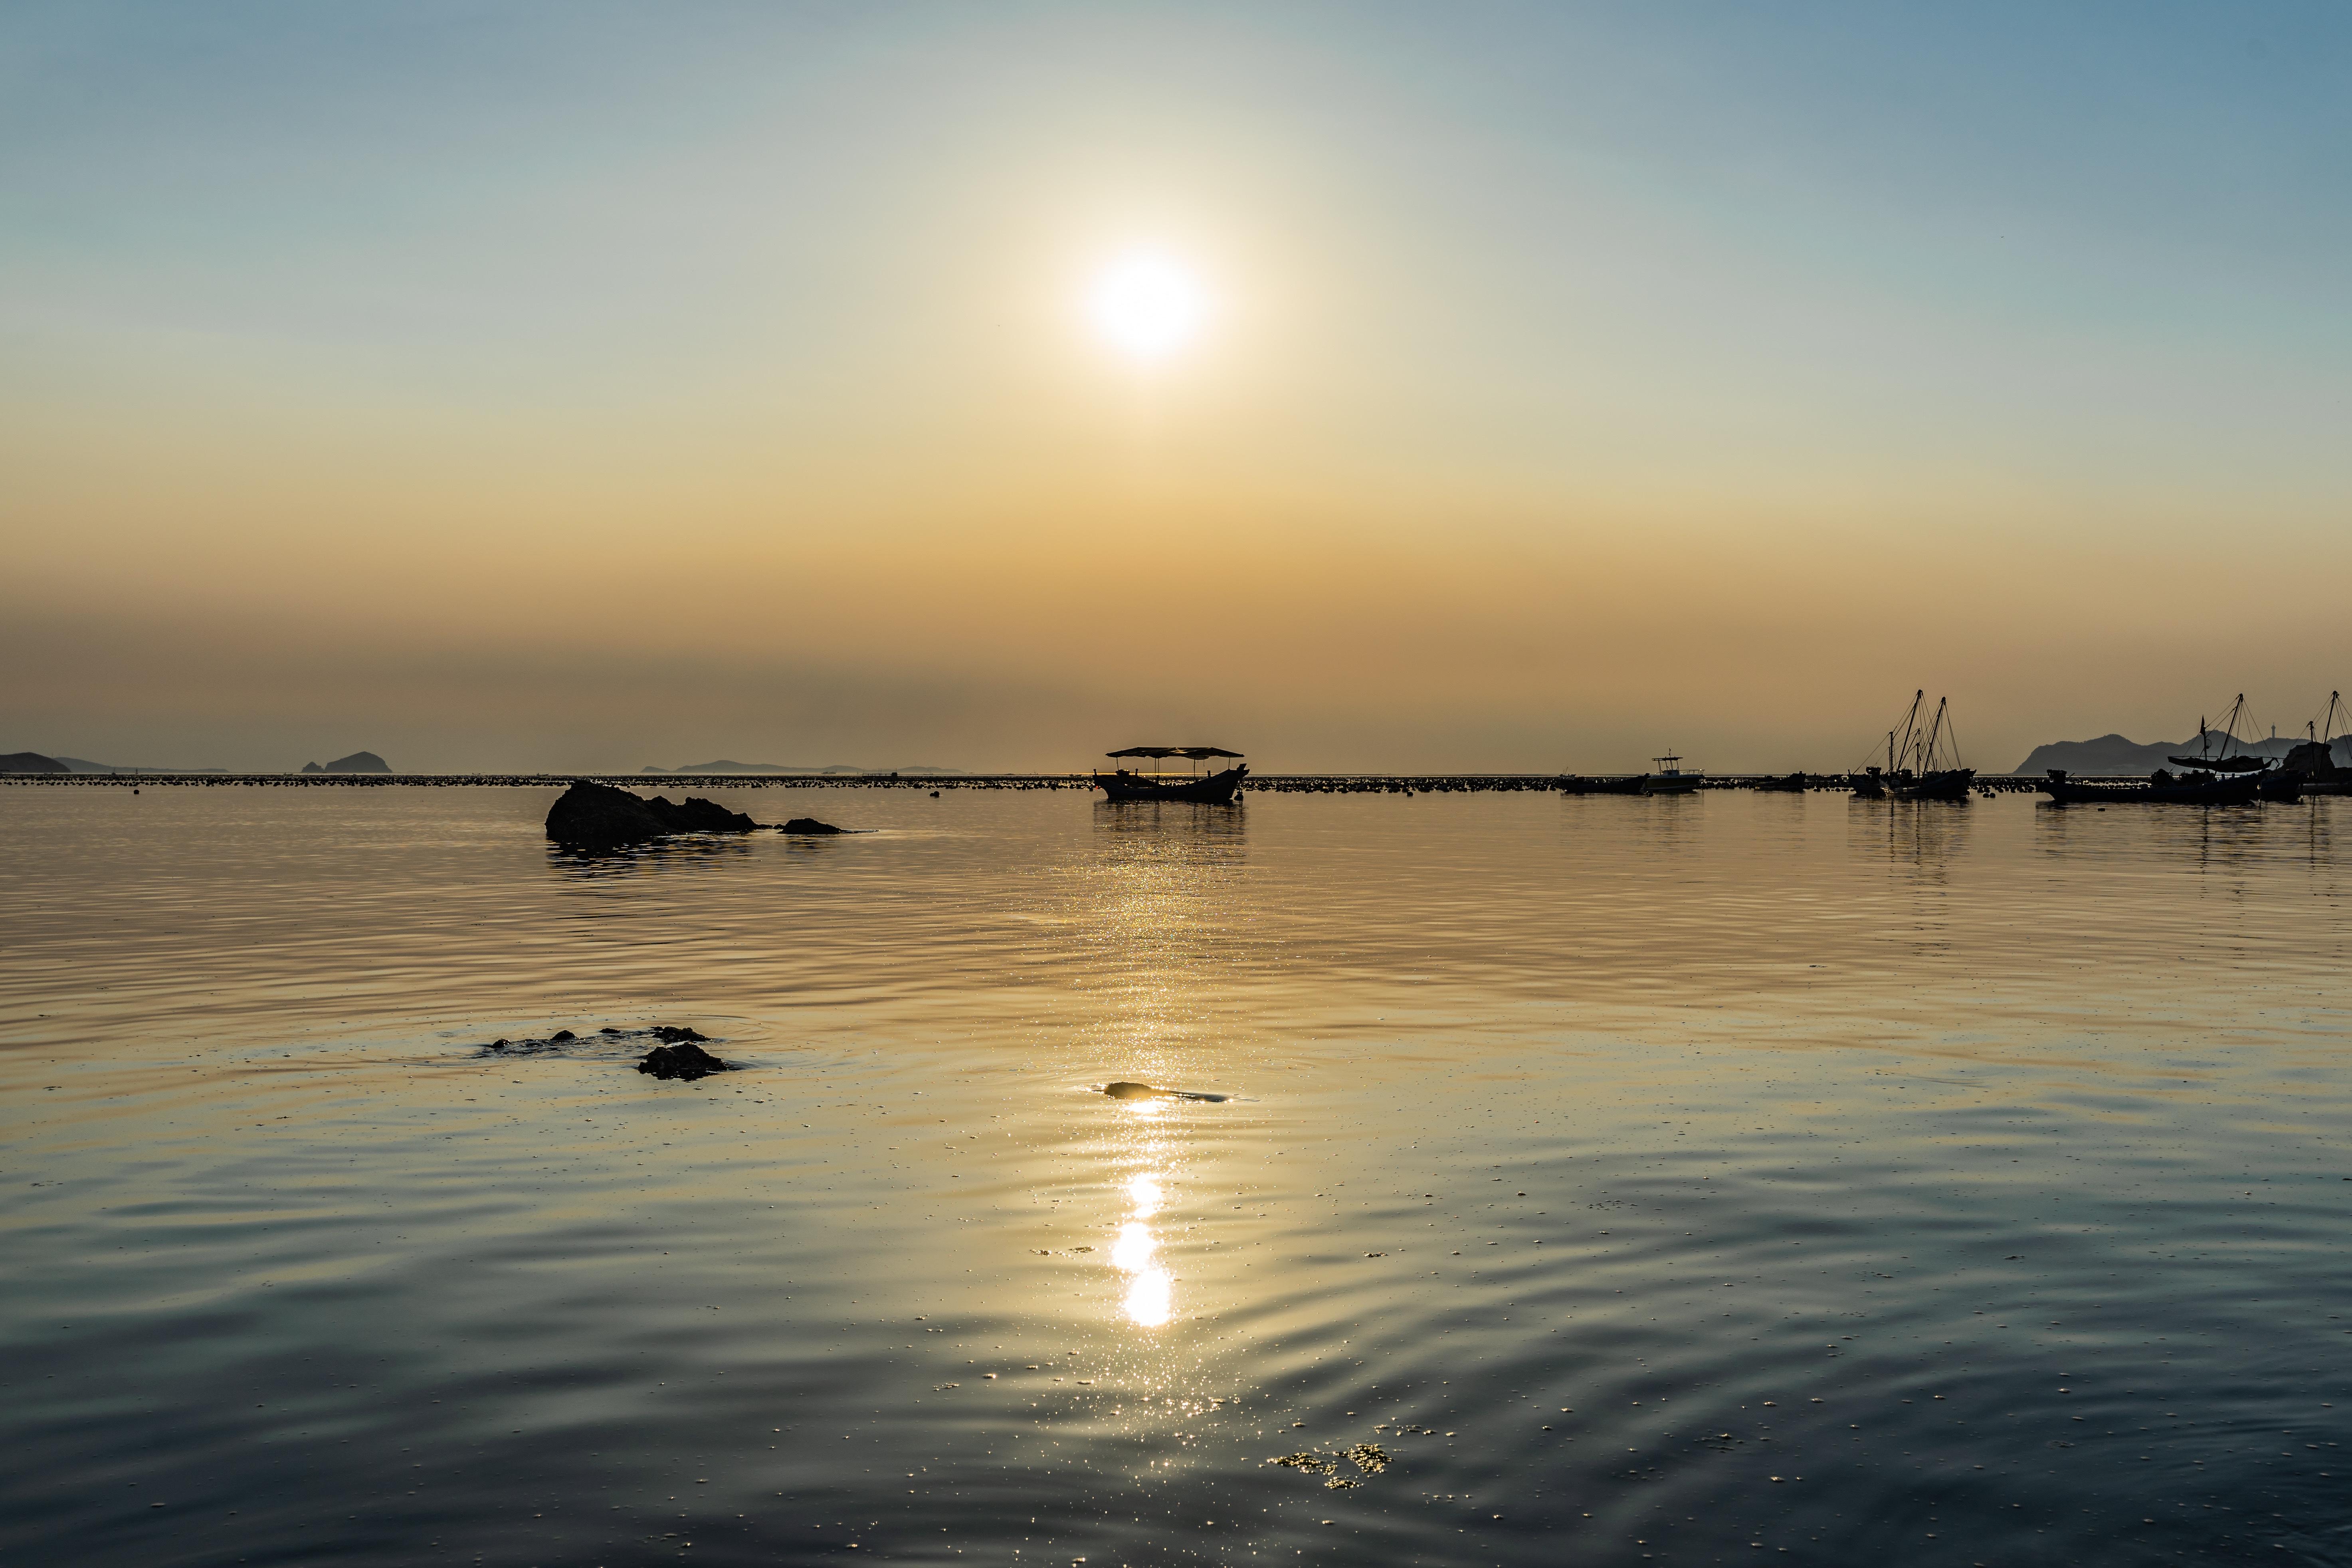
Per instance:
x=357, y=763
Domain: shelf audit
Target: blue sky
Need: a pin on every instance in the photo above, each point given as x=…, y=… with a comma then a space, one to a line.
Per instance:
x=1761, y=320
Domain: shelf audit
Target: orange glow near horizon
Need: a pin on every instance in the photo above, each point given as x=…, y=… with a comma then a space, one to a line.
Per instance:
x=998, y=392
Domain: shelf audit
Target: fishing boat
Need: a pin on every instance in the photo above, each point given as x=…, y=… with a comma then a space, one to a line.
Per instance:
x=2162, y=788
x=2313, y=760
x=1202, y=789
x=2221, y=775
x=1670, y=779
x=2220, y=754
x=1930, y=758
x=1795, y=783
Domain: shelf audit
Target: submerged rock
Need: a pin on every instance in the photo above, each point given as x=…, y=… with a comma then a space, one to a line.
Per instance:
x=599, y=816
x=564, y=1042
x=1152, y=1091
x=684, y=1060
x=809, y=825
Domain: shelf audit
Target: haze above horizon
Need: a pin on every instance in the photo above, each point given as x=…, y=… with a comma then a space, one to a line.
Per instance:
x=1369, y=387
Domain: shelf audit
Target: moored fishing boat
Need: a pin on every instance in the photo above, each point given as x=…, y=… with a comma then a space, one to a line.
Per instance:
x=1201, y=789
x=2222, y=773
x=1670, y=778
x=2311, y=764
x=1925, y=764
x=2220, y=759
x=2162, y=788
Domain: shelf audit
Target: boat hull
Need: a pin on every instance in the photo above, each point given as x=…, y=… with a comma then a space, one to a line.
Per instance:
x=1216, y=789
x=1953, y=784
x=2240, y=791
x=1572, y=784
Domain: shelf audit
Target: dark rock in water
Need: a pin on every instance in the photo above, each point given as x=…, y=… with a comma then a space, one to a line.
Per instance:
x=564, y=1042
x=31, y=763
x=357, y=763
x=599, y=816
x=685, y=1059
x=809, y=825
x=1152, y=1091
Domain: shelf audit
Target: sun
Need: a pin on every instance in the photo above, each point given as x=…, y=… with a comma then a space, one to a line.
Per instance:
x=1147, y=305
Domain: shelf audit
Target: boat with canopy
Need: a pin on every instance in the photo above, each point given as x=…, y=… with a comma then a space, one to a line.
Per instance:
x=2224, y=774
x=1202, y=789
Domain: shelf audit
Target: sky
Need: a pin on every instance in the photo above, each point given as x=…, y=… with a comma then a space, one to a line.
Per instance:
x=579, y=386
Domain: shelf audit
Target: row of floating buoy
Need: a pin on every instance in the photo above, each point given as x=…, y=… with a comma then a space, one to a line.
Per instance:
x=1256, y=783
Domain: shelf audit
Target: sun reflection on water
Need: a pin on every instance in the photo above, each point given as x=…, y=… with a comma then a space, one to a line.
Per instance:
x=1150, y=1291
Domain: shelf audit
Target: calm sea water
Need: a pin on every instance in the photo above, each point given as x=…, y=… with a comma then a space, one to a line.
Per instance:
x=1618, y=1181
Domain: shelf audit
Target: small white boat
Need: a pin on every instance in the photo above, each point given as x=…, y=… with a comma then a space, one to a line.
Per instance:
x=1670, y=779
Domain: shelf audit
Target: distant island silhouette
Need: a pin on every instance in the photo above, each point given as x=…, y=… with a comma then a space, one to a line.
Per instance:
x=35, y=763
x=357, y=763
x=2115, y=754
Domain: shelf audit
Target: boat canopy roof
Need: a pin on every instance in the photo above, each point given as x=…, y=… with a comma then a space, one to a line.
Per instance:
x=1195, y=753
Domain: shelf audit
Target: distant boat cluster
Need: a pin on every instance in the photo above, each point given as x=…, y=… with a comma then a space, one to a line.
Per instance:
x=1922, y=763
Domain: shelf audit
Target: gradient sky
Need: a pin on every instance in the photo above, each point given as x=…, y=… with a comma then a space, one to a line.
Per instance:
x=583, y=386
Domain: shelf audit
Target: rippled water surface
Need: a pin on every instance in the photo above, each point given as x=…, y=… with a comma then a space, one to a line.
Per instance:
x=1601, y=1181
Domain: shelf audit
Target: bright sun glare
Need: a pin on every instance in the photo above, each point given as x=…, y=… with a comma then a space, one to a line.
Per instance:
x=1147, y=305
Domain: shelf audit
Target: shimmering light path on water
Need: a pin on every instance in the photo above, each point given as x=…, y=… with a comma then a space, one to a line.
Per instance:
x=1603, y=1180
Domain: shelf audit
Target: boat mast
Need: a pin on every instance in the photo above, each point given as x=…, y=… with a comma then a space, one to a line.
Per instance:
x=1927, y=752
x=1910, y=724
x=2229, y=725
